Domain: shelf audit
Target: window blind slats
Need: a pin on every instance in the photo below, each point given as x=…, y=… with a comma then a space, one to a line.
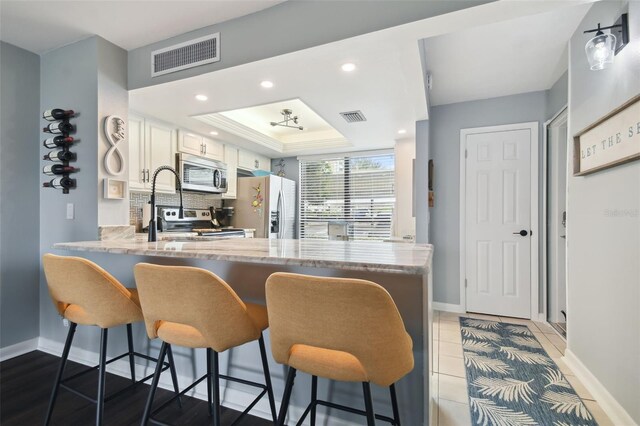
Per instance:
x=355, y=192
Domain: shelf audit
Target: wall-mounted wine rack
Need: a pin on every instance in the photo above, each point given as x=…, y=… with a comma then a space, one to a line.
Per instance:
x=60, y=143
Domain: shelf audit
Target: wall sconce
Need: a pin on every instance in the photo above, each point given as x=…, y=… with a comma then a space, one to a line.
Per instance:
x=602, y=48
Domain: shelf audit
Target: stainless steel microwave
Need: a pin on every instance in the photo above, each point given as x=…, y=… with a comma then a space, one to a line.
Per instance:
x=201, y=174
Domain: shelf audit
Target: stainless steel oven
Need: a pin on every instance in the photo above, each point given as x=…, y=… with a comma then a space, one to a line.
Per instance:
x=201, y=174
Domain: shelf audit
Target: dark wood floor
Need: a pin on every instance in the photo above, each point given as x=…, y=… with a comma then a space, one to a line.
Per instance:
x=26, y=382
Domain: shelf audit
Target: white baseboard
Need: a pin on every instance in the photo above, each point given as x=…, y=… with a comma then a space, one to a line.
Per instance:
x=448, y=307
x=607, y=402
x=231, y=397
x=18, y=349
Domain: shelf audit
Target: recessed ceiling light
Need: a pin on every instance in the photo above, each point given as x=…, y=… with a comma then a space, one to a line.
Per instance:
x=266, y=84
x=402, y=131
x=214, y=133
x=348, y=67
x=202, y=97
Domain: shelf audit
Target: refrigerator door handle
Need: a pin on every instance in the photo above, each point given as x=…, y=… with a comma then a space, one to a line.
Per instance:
x=284, y=215
x=280, y=214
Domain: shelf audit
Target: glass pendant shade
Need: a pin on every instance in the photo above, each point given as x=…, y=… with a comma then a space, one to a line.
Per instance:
x=600, y=50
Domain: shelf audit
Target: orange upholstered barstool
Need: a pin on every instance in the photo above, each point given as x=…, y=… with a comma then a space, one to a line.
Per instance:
x=193, y=307
x=86, y=294
x=340, y=329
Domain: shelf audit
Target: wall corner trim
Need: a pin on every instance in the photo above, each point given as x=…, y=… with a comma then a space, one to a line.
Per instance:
x=18, y=349
x=448, y=307
x=609, y=404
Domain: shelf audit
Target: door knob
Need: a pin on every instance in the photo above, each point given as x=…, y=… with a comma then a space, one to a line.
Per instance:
x=522, y=233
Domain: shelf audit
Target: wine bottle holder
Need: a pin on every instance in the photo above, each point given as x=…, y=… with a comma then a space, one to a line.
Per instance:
x=66, y=147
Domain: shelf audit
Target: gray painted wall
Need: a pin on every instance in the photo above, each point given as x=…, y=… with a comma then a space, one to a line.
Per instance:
x=603, y=224
x=446, y=122
x=19, y=181
x=288, y=27
x=113, y=99
x=291, y=168
x=557, y=95
x=69, y=79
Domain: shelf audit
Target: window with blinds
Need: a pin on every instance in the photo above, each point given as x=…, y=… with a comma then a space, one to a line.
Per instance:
x=349, y=196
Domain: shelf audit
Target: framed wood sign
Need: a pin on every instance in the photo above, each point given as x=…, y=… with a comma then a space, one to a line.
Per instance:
x=610, y=141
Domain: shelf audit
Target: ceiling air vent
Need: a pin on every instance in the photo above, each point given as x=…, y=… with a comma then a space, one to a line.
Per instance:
x=192, y=53
x=353, y=116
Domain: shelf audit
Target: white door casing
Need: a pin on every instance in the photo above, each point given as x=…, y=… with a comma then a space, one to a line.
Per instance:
x=499, y=200
x=553, y=232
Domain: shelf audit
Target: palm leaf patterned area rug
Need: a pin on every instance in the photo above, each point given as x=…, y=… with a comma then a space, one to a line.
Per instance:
x=513, y=382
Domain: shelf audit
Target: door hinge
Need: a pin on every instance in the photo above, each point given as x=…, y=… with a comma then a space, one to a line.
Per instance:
x=465, y=283
x=466, y=153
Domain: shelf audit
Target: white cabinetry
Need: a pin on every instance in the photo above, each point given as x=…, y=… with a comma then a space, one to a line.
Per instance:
x=137, y=166
x=151, y=145
x=248, y=160
x=231, y=159
x=191, y=143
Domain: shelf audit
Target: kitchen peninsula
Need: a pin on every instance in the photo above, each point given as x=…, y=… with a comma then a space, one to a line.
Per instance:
x=403, y=269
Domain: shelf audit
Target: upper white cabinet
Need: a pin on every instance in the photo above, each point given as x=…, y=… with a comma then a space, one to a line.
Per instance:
x=191, y=143
x=137, y=165
x=248, y=160
x=151, y=145
x=213, y=149
x=231, y=159
x=161, y=143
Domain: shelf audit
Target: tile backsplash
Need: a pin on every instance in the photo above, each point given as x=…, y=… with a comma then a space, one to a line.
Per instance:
x=189, y=199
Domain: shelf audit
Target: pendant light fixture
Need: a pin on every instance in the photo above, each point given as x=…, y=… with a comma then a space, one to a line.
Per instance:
x=602, y=48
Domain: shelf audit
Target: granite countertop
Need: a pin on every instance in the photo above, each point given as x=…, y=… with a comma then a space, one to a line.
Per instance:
x=353, y=255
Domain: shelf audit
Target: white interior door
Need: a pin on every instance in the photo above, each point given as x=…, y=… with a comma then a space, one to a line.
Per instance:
x=556, y=207
x=497, y=211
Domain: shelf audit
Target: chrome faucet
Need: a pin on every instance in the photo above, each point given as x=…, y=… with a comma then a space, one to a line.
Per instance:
x=153, y=226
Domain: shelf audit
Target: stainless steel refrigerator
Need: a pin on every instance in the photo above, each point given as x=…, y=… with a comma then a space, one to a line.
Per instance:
x=266, y=204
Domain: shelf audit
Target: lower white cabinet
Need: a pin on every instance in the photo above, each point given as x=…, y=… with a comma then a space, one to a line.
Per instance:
x=151, y=144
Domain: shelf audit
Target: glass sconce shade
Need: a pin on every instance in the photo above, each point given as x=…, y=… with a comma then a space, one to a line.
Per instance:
x=600, y=50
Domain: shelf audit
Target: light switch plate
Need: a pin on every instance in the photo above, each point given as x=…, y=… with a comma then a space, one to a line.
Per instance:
x=69, y=210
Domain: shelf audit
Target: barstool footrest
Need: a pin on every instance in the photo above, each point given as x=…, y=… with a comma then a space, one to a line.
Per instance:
x=113, y=395
x=343, y=408
x=187, y=389
x=194, y=384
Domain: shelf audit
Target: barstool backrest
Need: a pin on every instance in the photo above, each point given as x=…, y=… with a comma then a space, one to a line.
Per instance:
x=86, y=294
x=197, y=298
x=350, y=315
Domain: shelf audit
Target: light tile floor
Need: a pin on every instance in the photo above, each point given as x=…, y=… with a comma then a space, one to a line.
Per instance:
x=450, y=383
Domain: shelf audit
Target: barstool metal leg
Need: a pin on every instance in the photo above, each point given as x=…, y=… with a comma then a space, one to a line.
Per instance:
x=132, y=360
x=102, y=373
x=154, y=384
x=63, y=362
x=267, y=379
x=394, y=404
x=174, y=376
x=368, y=403
x=209, y=382
x=215, y=390
x=314, y=397
x=287, y=395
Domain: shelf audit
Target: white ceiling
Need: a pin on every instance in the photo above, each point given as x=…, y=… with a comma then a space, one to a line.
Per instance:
x=504, y=58
x=40, y=26
x=254, y=124
x=388, y=85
